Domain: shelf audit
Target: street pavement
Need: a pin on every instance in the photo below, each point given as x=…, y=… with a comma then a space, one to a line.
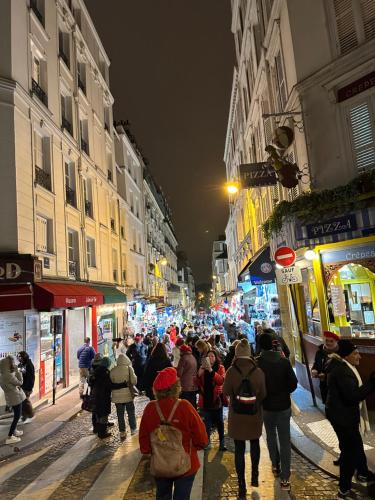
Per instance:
x=71, y=463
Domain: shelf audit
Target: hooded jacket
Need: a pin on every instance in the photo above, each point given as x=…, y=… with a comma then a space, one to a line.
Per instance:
x=281, y=380
x=187, y=371
x=123, y=372
x=11, y=382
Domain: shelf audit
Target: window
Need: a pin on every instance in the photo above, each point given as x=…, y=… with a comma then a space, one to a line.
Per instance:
x=281, y=90
x=83, y=129
x=66, y=113
x=107, y=118
x=64, y=47
x=36, y=70
x=37, y=6
x=70, y=184
x=362, y=128
x=113, y=216
x=355, y=23
x=38, y=84
x=44, y=234
x=114, y=265
x=109, y=166
x=42, y=161
x=81, y=75
x=73, y=265
x=90, y=250
x=87, y=188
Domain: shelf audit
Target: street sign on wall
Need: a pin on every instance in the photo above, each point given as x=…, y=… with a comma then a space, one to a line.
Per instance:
x=289, y=275
x=257, y=175
x=285, y=256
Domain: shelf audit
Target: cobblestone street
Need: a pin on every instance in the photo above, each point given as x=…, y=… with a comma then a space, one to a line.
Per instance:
x=67, y=465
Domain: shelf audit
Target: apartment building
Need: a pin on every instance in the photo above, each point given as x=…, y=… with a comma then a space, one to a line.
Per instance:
x=219, y=268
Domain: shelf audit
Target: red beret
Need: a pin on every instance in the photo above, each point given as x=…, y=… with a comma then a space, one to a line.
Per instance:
x=185, y=348
x=331, y=335
x=165, y=379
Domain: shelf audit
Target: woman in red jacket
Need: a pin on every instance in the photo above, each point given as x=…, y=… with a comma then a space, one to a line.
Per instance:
x=210, y=382
x=167, y=389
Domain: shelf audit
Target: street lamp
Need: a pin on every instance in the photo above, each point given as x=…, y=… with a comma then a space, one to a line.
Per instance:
x=163, y=261
x=214, y=277
x=232, y=187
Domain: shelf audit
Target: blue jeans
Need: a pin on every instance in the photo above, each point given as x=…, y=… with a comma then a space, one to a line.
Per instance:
x=277, y=424
x=130, y=410
x=17, y=411
x=181, y=487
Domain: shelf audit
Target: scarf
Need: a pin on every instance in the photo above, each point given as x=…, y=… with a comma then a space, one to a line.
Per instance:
x=364, y=425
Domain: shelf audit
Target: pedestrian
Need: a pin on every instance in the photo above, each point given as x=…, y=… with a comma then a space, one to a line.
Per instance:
x=210, y=381
x=182, y=416
x=85, y=356
x=346, y=410
x=159, y=360
x=278, y=342
x=231, y=354
x=27, y=369
x=187, y=373
x=124, y=398
x=322, y=359
x=281, y=381
x=137, y=353
x=202, y=347
x=11, y=382
x=119, y=347
x=176, y=351
x=167, y=342
x=244, y=427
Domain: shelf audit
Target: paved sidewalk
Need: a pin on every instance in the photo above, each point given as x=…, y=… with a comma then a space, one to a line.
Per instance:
x=48, y=418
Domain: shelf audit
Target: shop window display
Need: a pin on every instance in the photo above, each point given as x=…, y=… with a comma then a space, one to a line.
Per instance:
x=311, y=305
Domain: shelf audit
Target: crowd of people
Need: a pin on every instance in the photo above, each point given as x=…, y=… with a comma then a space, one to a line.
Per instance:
x=190, y=374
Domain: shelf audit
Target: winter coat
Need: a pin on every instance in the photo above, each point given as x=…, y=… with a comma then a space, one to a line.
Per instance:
x=28, y=374
x=281, y=380
x=123, y=371
x=283, y=345
x=217, y=382
x=85, y=356
x=187, y=371
x=229, y=357
x=245, y=427
x=137, y=353
x=101, y=387
x=344, y=393
x=11, y=383
x=186, y=419
x=321, y=365
x=153, y=366
x=176, y=355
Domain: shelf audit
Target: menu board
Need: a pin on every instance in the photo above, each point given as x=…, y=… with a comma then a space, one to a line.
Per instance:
x=12, y=326
x=338, y=300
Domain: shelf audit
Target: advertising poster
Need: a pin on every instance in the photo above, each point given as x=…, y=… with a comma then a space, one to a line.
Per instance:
x=12, y=326
x=33, y=339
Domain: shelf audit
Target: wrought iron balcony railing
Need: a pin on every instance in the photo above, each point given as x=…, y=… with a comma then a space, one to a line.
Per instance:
x=39, y=92
x=70, y=196
x=73, y=269
x=88, y=208
x=67, y=125
x=43, y=178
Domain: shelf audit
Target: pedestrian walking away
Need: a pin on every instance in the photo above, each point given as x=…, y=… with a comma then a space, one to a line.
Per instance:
x=281, y=381
x=85, y=356
x=174, y=461
x=158, y=361
x=187, y=372
x=27, y=369
x=137, y=353
x=245, y=420
x=11, y=381
x=346, y=410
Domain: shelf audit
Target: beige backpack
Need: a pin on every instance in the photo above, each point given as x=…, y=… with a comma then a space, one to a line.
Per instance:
x=168, y=457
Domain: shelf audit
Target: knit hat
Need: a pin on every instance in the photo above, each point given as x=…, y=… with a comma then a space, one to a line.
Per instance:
x=165, y=379
x=243, y=349
x=185, y=348
x=346, y=347
x=265, y=342
x=330, y=335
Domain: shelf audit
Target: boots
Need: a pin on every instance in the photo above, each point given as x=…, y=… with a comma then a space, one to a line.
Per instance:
x=241, y=488
x=254, y=477
x=102, y=431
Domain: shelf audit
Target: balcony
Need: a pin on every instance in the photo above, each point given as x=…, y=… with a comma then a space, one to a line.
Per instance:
x=113, y=225
x=84, y=146
x=67, y=125
x=43, y=178
x=81, y=85
x=39, y=92
x=70, y=196
x=109, y=175
x=64, y=57
x=34, y=8
x=73, y=269
x=88, y=208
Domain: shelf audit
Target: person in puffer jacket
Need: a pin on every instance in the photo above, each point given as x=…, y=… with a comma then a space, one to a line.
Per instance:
x=124, y=398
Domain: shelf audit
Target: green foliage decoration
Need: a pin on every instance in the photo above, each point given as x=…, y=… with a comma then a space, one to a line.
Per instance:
x=317, y=205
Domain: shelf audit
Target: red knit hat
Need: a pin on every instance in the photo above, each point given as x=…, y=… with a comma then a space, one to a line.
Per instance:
x=165, y=379
x=331, y=335
x=185, y=348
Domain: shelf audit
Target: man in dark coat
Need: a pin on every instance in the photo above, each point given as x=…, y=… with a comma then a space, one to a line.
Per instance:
x=137, y=353
x=278, y=343
x=321, y=362
x=346, y=410
x=28, y=374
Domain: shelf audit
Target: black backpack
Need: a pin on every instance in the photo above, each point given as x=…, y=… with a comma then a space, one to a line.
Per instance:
x=245, y=401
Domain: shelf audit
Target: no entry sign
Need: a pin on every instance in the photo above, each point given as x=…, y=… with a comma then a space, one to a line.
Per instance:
x=285, y=256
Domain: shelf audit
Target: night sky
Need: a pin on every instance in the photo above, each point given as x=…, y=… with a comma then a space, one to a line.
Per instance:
x=171, y=74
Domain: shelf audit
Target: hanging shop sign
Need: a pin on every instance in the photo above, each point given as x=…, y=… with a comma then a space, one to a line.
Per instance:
x=257, y=175
x=289, y=275
x=285, y=256
x=18, y=268
x=332, y=226
x=338, y=300
x=357, y=87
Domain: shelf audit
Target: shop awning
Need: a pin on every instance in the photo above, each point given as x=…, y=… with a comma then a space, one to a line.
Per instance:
x=15, y=297
x=54, y=295
x=260, y=268
x=111, y=294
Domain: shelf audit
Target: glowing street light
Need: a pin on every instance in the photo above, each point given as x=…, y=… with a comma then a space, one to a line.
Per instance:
x=214, y=277
x=232, y=187
x=163, y=261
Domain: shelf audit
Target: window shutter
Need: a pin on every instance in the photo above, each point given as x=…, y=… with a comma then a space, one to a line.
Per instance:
x=363, y=136
x=368, y=18
x=41, y=234
x=345, y=24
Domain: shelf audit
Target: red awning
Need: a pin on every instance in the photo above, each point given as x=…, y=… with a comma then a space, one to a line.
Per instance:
x=15, y=297
x=54, y=295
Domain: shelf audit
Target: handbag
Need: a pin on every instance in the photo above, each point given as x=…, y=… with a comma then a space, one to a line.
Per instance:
x=88, y=402
x=27, y=408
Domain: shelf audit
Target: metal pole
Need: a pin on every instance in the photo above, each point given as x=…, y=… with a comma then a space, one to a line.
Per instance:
x=302, y=341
